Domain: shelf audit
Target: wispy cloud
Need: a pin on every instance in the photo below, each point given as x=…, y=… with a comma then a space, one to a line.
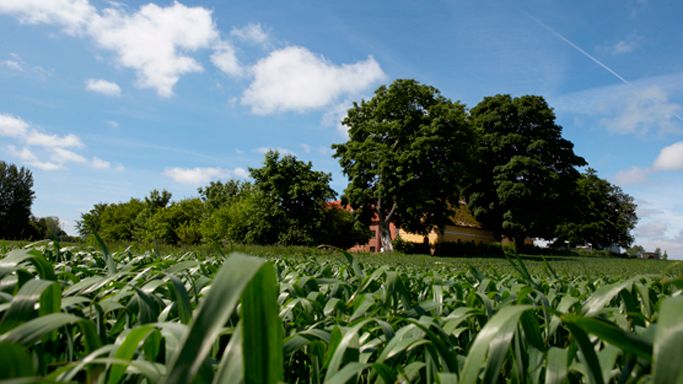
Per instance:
x=653, y=97
x=56, y=150
x=225, y=58
x=251, y=33
x=633, y=175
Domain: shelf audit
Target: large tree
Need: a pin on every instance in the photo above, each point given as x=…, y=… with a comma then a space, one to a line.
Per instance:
x=525, y=171
x=408, y=151
x=16, y=198
x=603, y=214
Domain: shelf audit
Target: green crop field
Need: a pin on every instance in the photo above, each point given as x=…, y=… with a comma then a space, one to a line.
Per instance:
x=76, y=314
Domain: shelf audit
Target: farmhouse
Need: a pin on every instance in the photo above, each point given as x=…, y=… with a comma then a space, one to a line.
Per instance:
x=464, y=228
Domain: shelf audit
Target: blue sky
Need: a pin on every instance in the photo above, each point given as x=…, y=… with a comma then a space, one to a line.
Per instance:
x=105, y=100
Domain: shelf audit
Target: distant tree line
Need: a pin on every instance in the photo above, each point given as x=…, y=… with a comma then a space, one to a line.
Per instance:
x=287, y=203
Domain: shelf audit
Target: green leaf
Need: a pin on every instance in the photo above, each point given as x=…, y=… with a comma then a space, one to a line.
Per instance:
x=612, y=334
x=127, y=344
x=491, y=345
x=590, y=359
x=47, y=292
x=556, y=366
x=182, y=299
x=29, y=332
x=262, y=328
x=220, y=302
x=15, y=361
x=668, y=346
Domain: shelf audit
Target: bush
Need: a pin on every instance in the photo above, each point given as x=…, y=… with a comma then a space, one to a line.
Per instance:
x=470, y=248
x=411, y=248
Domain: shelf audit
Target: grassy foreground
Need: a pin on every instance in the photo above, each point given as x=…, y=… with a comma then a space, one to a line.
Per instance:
x=298, y=315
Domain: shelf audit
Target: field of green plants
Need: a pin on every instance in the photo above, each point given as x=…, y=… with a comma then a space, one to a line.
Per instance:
x=75, y=314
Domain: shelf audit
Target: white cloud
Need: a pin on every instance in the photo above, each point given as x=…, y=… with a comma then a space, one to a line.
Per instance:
x=281, y=150
x=72, y=15
x=199, y=176
x=59, y=149
x=295, y=79
x=52, y=141
x=104, y=87
x=31, y=159
x=251, y=33
x=12, y=65
x=670, y=158
x=154, y=41
x=61, y=156
x=651, y=230
x=98, y=163
x=642, y=108
x=113, y=124
x=306, y=148
x=634, y=175
x=225, y=59
x=642, y=111
x=623, y=47
x=12, y=126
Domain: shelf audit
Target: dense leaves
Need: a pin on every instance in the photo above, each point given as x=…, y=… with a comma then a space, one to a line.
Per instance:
x=526, y=170
x=16, y=198
x=603, y=214
x=408, y=151
x=287, y=203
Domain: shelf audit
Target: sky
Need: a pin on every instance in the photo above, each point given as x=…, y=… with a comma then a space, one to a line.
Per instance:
x=107, y=100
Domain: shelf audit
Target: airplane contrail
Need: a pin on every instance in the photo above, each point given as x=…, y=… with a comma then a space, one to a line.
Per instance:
x=589, y=56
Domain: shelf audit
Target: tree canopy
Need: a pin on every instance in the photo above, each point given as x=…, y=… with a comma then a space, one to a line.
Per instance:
x=16, y=198
x=603, y=214
x=525, y=171
x=408, y=152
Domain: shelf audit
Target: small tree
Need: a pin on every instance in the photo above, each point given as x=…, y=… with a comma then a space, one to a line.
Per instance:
x=408, y=152
x=602, y=215
x=292, y=199
x=16, y=198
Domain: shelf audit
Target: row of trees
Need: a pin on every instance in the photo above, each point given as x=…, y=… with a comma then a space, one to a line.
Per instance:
x=413, y=155
x=16, y=198
x=287, y=203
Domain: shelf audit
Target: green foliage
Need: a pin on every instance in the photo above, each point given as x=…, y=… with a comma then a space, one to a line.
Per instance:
x=408, y=152
x=526, y=170
x=603, y=214
x=293, y=198
x=66, y=316
x=16, y=198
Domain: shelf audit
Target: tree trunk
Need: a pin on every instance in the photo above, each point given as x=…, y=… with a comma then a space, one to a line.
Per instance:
x=385, y=235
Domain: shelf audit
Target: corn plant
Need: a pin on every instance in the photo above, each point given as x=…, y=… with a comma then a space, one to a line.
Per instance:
x=85, y=315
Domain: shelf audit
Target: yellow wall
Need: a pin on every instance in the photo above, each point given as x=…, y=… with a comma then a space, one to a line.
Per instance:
x=465, y=228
